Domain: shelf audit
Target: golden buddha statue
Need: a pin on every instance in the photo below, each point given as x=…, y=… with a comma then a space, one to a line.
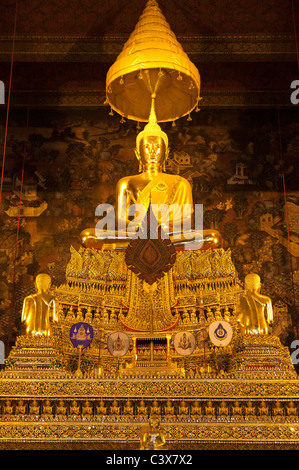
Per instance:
x=75, y=409
x=155, y=409
x=277, y=409
x=129, y=408
x=152, y=437
x=114, y=409
x=263, y=410
x=223, y=409
x=34, y=408
x=61, y=409
x=209, y=409
x=237, y=409
x=47, y=409
x=255, y=310
x=87, y=409
x=152, y=186
x=101, y=409
x=142, y=409
x=250, y=409
x=21, y=408
x=183, y=408
x=291, y=410
x=196, y=411
x=7, y=408
x=39, y=307
x=169, y=409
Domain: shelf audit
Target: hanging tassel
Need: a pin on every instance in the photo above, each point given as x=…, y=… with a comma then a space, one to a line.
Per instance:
x=122, y=121
x=121, y=82
x=161, y=73
x=173, y=124
x=106, y=102
x=179, y=77
x=138, y=126
x=111, y=113
x=189, y=118
x=140, y=76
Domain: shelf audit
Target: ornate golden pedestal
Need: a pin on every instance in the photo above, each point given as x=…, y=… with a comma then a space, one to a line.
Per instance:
x=241, y=396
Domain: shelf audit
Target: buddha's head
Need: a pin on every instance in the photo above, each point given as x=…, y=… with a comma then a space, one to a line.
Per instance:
x=152, y=147
x=43, y=282
x=252, y=282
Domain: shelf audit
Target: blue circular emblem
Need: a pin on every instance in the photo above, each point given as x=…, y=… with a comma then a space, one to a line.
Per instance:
x=81, y=334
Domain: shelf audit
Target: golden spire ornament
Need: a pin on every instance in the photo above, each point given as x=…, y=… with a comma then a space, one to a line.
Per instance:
x=153, y=63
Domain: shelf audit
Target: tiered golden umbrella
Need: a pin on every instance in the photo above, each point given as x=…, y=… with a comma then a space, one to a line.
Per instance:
x=151, y=65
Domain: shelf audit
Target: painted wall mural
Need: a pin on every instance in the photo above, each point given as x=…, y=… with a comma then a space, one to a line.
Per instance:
x=236, y=160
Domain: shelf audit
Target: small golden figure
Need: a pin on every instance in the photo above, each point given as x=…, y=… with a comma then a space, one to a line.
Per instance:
x=237, y=410
x=196, y=411
x=210, y=409
x=255, y=310
x=7, y=409
x=250, y=409
x=34, y=408
x=152, y=437
x=47, y=409
x=21, y=408
x=183, y=408
x=291, y=410
x=87, y=409
x=263, y=410
x=278, y=409
x=114, y=409
x=169, y=410
x=128, y=408
x=75, y=409
x=142, y=409
x=223, y=409
x=39, y=307
x=101, y=409
x=155, y=409
x=61, y=410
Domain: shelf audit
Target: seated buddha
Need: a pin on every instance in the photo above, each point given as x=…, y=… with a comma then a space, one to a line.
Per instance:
x=250, y=409
x=114, y=409
x=254, y=310
x=183, y=408
x=152, y=186
x=61, y=409
x=155, y=409
x=169, y=409
x=47, y=409
x=87, y=408
x=291, y=410
x=196, y=410
x=34, y=408
x=142, y=409
x=209, y=409
x=128, y=408
x=101, y=409
x=75, y=409
x=7, y=408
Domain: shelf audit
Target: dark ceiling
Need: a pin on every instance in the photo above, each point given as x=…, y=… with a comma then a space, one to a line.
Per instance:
x=245, y=50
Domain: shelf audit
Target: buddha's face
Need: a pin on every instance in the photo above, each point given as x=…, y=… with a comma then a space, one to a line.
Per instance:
x=152, y=151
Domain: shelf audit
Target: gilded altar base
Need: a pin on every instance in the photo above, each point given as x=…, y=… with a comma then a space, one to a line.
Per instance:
x=242, y=396
x=208, y=413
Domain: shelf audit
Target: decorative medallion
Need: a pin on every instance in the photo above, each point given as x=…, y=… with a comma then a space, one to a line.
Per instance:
x=118, y=343
x=184, y=343
x=150, y=258
x=220, y=333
